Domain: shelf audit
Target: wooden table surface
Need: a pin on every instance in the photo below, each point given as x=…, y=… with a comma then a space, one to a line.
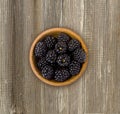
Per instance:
x=96, y=92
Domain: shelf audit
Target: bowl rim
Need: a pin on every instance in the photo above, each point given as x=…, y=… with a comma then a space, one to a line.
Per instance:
x=50, y=31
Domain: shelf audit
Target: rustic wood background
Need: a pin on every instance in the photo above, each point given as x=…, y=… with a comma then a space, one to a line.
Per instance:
x=96, y=92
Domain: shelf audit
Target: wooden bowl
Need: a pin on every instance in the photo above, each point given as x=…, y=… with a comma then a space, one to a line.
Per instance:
x=55, y=31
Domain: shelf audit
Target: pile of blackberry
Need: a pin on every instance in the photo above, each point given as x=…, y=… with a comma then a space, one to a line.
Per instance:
x=59, y=58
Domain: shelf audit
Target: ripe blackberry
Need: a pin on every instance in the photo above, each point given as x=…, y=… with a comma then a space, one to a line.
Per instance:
x=50, y=42
x=74, y=68
x=51, y=56
x=73, y=44
x=40, y=49
x=48, y=72
x=61, y=75
x=61, y=47
x=63, y=37
x=79, y=55
x=41, y=63
x=63, y=60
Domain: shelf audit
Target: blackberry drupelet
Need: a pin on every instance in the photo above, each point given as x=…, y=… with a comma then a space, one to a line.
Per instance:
x=73, y=44
x=74, y=68
x=61, y=75
x=48, y=72
x=63, y=60
x=40, y=49
x=50, y=42
x=61, y=47
x=41, y=63
x=79, y=55
x=63, y=37
x=51, y=56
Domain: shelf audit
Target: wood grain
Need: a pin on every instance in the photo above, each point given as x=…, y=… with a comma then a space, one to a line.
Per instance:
x=96, y=92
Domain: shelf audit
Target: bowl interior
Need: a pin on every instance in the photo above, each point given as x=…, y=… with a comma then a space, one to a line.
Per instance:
x=55, y=32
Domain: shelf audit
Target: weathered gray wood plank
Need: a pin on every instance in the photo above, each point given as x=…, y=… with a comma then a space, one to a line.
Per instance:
x=97, y=92
x=94, y=31
x=6, y=55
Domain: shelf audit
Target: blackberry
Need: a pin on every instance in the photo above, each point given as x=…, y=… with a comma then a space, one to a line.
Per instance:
x=63, y=60
x=73, y=44
x=63, y=37
x=61, y=47
x=61, y=75
x=74, y=68
x=41, y=63
x=50, y=42
x=40, y=49
x=48, y=72
x=51, y=56
x=79, y=55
